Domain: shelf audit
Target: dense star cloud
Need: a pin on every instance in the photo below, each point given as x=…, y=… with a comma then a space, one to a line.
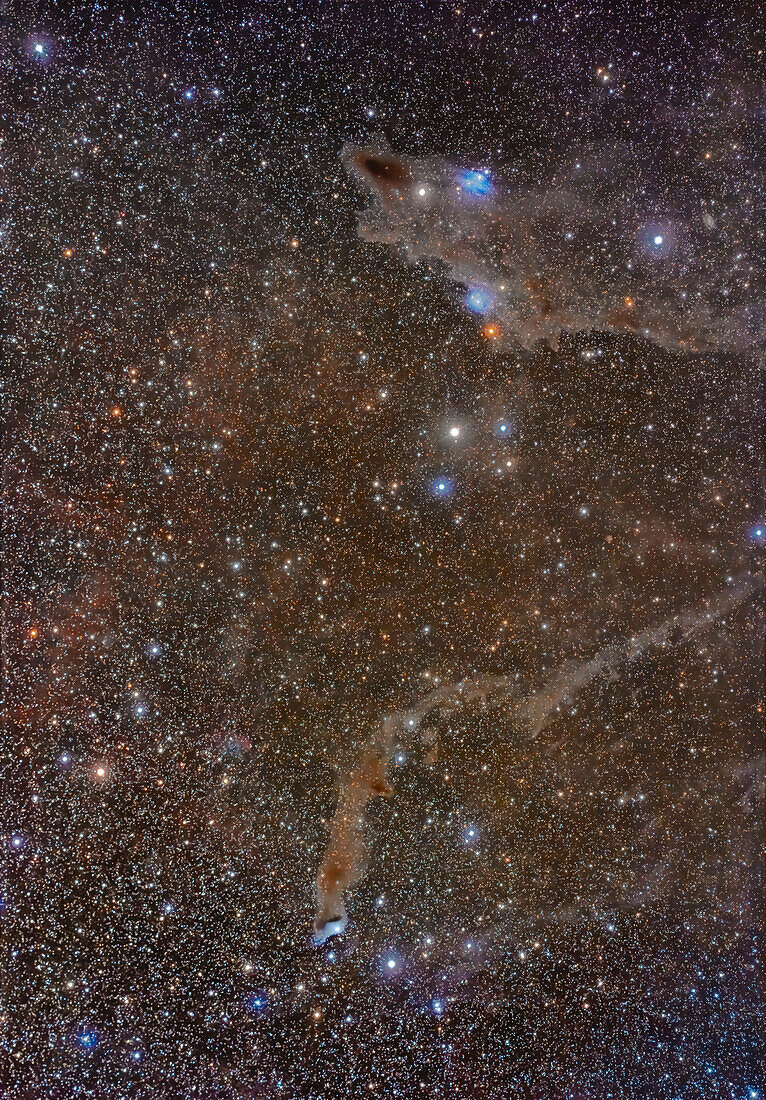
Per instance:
x=382, y=598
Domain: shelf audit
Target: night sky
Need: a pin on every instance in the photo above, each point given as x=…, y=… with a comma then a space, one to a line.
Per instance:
x=382, y=532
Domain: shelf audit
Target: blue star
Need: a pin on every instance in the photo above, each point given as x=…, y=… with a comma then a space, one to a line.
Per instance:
x=39, y=48
x=390, y=964
x=470, y=834
x=442, y=486
x=657, y=241
x=257, y=1002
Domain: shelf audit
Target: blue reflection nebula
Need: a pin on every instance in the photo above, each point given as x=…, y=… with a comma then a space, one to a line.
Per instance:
x=478, y=300
x=475, y=183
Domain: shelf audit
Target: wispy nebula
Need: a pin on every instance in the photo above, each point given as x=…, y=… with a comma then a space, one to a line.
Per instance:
x=573, y=676
x=601, y=243
x=345, y=855
x=346, y=851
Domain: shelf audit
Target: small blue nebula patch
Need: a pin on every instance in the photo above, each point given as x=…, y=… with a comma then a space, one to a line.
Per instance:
x=87, y=1040
x=478, y=300
x=257, y=1003
x=475, y=182
x=332, y=928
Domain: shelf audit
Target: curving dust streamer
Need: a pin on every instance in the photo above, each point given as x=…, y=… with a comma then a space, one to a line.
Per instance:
x=344, y=859
x=571, y=677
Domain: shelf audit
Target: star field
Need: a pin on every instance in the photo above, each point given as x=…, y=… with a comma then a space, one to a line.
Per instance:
x=382, y=595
